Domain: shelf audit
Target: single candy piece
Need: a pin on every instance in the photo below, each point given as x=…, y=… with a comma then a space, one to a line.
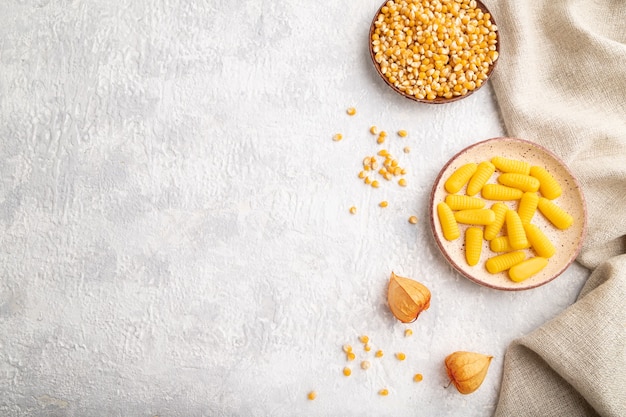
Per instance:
x=448, y=223
x=500, y=244
x=460, y=177
x=475, y=216
x=527, y=206
x=484, y=171
x=492, y=230
x=464, y=202
x=539, y=241
x=527, y=268
x=511, y=165
x=473, y=245
x=501, y=192
x=549, y=187
x=555, y=214
x=519, y=181
x=515, y=230
x=503, y=262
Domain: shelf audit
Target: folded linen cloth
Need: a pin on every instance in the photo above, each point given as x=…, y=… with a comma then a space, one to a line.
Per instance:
x=561, y=82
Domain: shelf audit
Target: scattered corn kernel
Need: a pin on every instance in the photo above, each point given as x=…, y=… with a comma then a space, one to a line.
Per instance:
x=413, y=220
x=418, y=377
x=351, y=111
x=383, y=392
x=367, y=180
x=383, y=204
x=350, y=356
x=362, y=174
x=379, y=354
x=402, y=182
x=364, y=339
x=352, y=210
x=365, y=365
x=346, y=348
x=400, y=356
x=383, y=152
x=375, y=184
x=347, y=371
x=312, y=395
x=337, y=137
x=383, y=134
x=407, y=149
x=374, y=130
x=367, y=347
x=380, y=140
x=402, y=133
x=408, y=332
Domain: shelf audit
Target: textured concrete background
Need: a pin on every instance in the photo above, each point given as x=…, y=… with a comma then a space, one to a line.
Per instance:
x=174, y=217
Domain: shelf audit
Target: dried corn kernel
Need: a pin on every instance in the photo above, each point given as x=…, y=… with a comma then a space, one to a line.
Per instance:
x=413, y=220
x=352, y=210
x=402, y=182
x=346, y=348
x=383, y=152
x=418, y=377
x=400, y=356
x=379, y=354
x=350, y=356
x=312, y=395
x=402, y=133
x=383, y=204
x=373, y=130
x=383, y=392
x=337, y=137
x=367, y=347
x=380, y=140
x=351, y=111
x=365, y=365
x=347, y=371
x=362, y=174
x=524, y=270
x=375, y=184
x=407, y=149
x=364, y=339
x=367, y=180
x=408, y=332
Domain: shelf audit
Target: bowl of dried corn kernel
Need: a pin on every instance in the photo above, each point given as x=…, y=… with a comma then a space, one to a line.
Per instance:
x=434, y=51
x=508, y=214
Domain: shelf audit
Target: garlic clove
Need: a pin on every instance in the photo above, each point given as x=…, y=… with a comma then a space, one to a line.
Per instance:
x=407, y=298
x=467, y=370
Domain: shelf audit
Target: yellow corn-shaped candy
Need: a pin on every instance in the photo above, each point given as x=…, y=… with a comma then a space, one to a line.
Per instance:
x=549, y=187
x=484, y=171
x=515, y=231
x=501, y=192
x=460, y=177
x=527, y=206
x=464, y=202
x=527, y=268
x=503, y=262
x=511, y=165
x=475, y=216
x=539, y=241
x=473, y=245
x=492, y=230
x=519, y=181
x=557, y=216
x=500, y=244
x=448, y=224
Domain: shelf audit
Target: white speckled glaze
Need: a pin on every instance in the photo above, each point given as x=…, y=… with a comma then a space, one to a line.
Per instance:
x=567, y=242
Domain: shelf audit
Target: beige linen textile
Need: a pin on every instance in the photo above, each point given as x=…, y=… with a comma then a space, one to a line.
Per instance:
x=561, y=82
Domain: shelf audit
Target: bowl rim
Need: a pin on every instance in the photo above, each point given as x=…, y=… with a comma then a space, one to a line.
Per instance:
x=437, y=100
x=451, y=262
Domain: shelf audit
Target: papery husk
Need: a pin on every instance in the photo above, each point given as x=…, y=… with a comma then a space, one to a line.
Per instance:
x=407, y=298
x=467, y=370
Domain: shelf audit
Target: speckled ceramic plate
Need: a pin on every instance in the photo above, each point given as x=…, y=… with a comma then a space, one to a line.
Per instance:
x=567, y=242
